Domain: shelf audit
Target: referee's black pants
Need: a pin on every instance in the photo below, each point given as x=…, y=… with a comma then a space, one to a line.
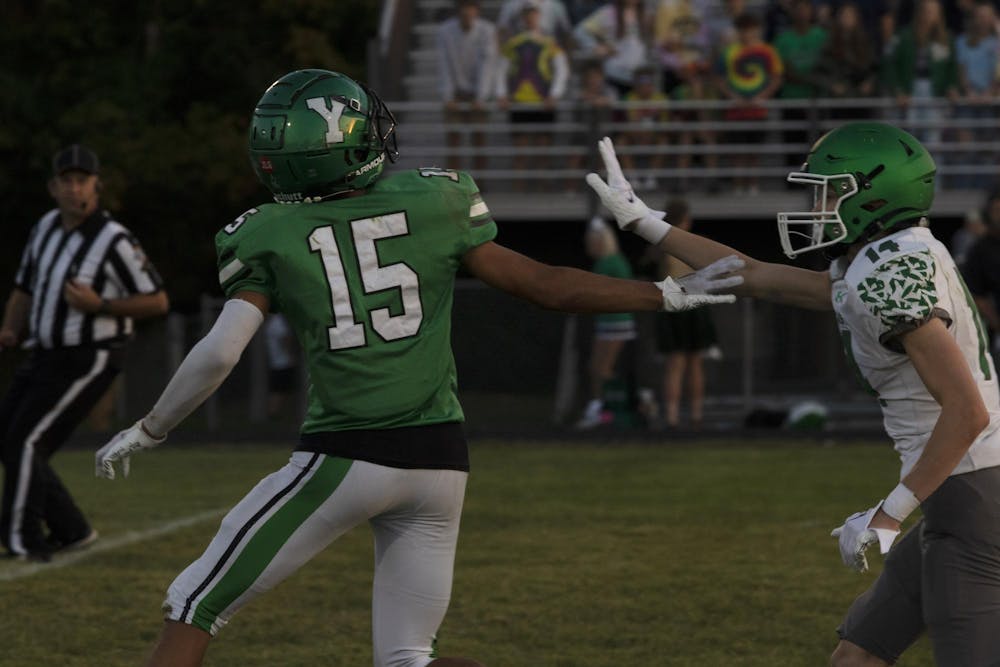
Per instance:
x=51, y=393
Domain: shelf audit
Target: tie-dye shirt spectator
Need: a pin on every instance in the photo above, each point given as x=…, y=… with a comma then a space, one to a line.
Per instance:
x=750, y=71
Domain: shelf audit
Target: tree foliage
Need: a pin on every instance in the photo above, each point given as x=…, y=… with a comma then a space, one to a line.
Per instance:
x=163, y=91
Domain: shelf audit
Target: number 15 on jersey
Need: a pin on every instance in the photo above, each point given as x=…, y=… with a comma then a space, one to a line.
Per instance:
x=347, y=331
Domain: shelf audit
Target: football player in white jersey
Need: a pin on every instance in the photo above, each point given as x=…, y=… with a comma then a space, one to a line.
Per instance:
x=911, y=330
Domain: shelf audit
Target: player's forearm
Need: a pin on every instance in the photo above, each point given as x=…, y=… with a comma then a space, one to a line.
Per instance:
x=575, y=291
x=206, y=366
x=942, y=367
x=138, y=305
x=694, y=250
x=779, y=283
x=956, y=429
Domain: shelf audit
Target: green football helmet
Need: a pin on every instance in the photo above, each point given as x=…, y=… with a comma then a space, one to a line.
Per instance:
x=866, y=178
x=317, y=133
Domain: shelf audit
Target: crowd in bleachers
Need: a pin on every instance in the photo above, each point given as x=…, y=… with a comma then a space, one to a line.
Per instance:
x=932, y=58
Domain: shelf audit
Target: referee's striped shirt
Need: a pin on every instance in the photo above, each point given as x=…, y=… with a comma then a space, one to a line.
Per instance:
x=99, y=252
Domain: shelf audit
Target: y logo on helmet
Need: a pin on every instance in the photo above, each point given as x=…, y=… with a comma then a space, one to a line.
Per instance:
x=331, y=115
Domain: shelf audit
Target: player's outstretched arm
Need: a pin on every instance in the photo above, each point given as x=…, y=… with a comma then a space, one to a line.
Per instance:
x=204, y=368
x=572, y=290
x=780, y=283
x=775, y=282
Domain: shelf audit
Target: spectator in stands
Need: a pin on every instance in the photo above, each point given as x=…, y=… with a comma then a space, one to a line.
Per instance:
x=876, y=17
x=533, y=73
x=920, y=67
x=981, y=270
x=721, y=24
x=611, y=331
x=976, y=51
x=847, y=68
x=592, y=109
x=778, y=17
x=467, y=55
x=800, y=47
x=681, y=39
x=956, y=13
x=682, y=338
x=618, y=34
x=683, y=42
x=967, y=235
x=554, y=19
x=581, y=9
x=595, y=91
x=650, y=119
x=749, y=74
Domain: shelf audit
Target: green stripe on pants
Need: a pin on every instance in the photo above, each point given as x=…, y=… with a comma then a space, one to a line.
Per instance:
x=268, y=540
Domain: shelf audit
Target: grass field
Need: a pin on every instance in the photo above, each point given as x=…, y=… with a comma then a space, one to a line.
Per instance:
x=570, y=555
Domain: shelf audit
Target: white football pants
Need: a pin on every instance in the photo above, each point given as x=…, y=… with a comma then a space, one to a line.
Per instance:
x=294, y=513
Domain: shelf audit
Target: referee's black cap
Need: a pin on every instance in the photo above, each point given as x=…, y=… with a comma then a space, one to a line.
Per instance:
x=75, y=157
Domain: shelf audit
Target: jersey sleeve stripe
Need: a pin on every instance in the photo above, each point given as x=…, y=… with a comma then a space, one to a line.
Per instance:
x=479, y=212
x=478, y=209
x=230, y=270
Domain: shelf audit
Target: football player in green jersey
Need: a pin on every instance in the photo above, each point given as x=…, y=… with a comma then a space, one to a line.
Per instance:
x=363, y=268
x=911, y=330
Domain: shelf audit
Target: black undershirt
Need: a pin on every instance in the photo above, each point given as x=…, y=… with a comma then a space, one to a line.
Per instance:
x=434, y=447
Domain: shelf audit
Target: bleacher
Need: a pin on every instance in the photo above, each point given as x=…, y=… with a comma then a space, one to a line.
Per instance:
x=556, y=192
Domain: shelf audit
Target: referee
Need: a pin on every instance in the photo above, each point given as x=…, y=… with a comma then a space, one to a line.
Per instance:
x=83, y=277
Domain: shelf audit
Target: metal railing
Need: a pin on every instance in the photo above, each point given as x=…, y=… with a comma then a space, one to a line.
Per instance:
x=695, y=142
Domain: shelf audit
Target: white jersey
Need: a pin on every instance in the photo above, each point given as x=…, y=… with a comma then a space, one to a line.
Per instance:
x=892, y=286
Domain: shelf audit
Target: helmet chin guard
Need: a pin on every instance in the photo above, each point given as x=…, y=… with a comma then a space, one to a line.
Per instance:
x=802, y=231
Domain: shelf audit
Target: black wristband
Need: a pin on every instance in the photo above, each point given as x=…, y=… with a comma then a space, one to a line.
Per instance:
x=104, y=308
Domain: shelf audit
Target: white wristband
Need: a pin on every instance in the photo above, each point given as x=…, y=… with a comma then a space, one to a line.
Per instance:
x=651, y=229
x=900, y=503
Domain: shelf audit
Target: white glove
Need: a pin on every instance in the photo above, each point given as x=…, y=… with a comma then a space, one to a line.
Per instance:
x=619, y=198
x=856, y=536
x=715, y=277
x=120, y=447
x=696, y=289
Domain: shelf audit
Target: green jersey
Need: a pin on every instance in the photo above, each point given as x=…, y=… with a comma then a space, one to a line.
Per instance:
x=366, y=283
